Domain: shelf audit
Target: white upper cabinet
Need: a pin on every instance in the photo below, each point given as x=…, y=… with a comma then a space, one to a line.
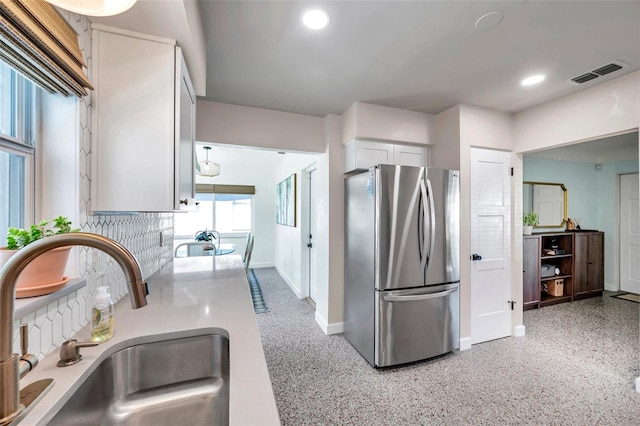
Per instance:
x=143, y=106
x=360, y=154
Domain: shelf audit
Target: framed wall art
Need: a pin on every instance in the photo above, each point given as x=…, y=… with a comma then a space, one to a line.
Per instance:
x=286, y=201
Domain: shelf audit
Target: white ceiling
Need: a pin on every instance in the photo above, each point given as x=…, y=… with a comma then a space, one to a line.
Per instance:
x=423, y=56
x=418, y=55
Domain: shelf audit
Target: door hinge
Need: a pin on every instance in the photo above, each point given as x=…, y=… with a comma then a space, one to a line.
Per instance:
x=512, y=171
x=511, y=302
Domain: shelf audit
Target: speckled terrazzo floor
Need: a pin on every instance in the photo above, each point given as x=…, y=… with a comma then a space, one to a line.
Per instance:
x=575, y=366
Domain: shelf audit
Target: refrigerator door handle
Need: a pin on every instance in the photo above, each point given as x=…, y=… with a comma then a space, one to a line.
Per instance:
x=415, y=297
x=424, y=253
x=432, y=221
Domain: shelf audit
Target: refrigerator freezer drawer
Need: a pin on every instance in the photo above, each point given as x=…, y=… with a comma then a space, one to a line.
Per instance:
x=416, y=324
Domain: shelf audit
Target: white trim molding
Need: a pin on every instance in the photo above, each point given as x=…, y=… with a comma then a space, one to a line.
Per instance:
x=335, y=328
x=519, y=331
x=290, y=283
x=465, y=343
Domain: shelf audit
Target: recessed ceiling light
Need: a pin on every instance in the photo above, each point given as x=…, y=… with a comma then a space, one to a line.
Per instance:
x=315, y=19
x=534, y=79
x=488, y=21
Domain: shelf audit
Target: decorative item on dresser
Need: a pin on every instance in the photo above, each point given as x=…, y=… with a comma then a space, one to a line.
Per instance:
x=529, y=220
x=562, y=267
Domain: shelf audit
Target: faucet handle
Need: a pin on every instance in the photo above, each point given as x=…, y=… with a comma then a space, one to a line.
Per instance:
x=27, y=361
x=70, y=352
x=24, y=339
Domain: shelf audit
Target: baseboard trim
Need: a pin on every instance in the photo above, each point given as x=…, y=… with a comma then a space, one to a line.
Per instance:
x=328, y=329
x=465, y=343
x=519, y=331
x=611, y=287
x=286, y=279
x=638, y=384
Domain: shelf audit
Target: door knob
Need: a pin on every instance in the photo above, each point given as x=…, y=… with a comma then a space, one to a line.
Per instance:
x=475, y=256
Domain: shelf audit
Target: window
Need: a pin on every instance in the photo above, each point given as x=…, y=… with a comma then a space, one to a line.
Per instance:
x=17, y=145
x=225, y=213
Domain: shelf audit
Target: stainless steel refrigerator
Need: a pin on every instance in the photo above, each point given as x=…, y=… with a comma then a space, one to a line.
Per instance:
x=402, y=257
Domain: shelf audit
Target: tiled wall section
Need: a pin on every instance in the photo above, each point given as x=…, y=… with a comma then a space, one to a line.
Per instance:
x=59, y=321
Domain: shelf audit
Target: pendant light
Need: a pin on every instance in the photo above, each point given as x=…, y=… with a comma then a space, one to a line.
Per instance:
x=94, y=7
x=208, y=168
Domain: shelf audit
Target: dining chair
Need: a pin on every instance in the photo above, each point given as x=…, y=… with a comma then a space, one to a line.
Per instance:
x=246, y=247
x=248, y=251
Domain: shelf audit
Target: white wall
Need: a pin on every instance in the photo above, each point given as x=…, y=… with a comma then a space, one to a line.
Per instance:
x=370, y=121
x=257, y=127
x=289, y=244
x=606, y=109
x=445, y=153
x=332, y=313
x=484, y=128
x=245, y=166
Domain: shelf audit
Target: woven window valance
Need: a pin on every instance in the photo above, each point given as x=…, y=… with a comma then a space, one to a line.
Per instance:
x=38, y=43
x=209, y=188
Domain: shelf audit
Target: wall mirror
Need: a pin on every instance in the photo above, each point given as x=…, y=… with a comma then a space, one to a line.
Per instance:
x=549, y=200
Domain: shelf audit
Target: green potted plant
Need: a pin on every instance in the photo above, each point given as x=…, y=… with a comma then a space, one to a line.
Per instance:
x=45, y=274
x=529, y=220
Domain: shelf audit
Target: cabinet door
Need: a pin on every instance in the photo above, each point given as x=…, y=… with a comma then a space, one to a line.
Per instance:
x=405, y=155
x=581, y=265
x=531, y=270
x=361, y=154
x=589, y=264
x=133, y=137
x=185, y=165
x=596, y=262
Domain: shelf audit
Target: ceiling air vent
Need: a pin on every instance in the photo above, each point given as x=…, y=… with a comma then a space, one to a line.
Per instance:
x=607, y=69
x=584, y=77
x=599, y=72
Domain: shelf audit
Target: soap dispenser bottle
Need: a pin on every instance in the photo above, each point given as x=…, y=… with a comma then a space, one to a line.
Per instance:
x=102, y=316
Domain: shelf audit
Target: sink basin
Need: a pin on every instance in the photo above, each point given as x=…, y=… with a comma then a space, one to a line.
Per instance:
x=166, y=382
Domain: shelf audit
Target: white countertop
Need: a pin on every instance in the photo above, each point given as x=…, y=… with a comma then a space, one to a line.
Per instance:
x=186, y=297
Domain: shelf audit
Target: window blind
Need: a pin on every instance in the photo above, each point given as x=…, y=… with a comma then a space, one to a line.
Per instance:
x=40, y=44
x=209, y=188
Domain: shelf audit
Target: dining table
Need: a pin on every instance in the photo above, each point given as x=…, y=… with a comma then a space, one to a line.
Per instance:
x=200, y=248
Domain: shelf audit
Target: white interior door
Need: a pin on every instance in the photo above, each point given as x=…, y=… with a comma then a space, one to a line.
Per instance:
x=629, y=233
x=312, y=252
x=490, y=244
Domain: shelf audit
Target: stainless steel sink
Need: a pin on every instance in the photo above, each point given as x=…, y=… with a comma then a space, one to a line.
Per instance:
x=167, y=382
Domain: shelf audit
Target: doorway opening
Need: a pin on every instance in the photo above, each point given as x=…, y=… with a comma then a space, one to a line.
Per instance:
x=309, y=229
